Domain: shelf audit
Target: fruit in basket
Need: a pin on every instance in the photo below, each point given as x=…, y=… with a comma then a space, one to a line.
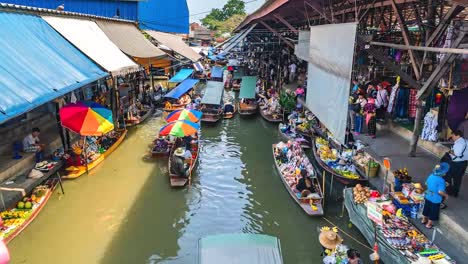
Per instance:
x=361, y=194
x=28, y=205
x=20, y=205
x=322, y=141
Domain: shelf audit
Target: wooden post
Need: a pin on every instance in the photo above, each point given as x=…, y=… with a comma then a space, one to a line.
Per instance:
x=323, y=189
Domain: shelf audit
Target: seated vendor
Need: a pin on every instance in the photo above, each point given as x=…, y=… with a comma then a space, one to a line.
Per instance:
x=178, y=165
x=31, y=142
x=161, y=144
x=305, y=185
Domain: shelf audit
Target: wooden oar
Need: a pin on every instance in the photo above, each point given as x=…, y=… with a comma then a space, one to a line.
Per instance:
x=190, y=173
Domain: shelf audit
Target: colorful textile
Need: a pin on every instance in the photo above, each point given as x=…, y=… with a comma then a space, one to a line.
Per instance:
x=413, y=101
x=457, y=108
x=429, y=131
x=393, y=95
x=372, y=126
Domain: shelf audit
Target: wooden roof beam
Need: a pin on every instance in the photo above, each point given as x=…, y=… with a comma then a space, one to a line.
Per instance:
x=286, y=23
x=277, y=34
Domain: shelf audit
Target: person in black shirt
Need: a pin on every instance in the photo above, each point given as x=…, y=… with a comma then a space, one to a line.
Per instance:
x=305, y=185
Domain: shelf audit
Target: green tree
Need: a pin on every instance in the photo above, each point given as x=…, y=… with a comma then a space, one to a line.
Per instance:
x=230, y=24
x=217, y=17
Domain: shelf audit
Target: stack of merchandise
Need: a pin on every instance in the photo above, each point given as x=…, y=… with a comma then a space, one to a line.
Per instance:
x=339, y=163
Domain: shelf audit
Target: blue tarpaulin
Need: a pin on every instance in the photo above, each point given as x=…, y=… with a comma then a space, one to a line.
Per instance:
x=38, y=65
x=181, y=75
x=181, y=89
x=217, y=72
x=166, y=16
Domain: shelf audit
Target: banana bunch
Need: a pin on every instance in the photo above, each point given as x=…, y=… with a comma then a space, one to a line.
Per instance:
x=13, y=222
x=13, y=214
x=322, y=141
x=327, y=228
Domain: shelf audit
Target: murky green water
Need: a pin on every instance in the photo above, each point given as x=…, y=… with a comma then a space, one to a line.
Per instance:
x=125, y=211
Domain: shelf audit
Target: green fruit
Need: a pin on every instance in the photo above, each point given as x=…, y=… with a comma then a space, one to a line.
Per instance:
x=20, y=205
x=25, y=199
x=28, y=205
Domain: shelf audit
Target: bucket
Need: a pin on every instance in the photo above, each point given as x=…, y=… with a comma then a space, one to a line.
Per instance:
x=372, y=171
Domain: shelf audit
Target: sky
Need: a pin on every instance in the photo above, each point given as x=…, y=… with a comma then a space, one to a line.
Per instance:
x=204, y=6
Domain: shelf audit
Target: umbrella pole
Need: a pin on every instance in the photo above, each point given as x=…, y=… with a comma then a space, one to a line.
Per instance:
x=86, y=156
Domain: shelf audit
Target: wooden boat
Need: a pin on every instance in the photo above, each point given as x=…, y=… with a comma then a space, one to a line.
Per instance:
x=53, y=184
x=342, y=179
x=231, y=114
x=177, y=181
x=270, y=118
x=210, y=116
x=304, y=203
x=129, y=123
x=160, y=154
x=82, y=169
x=305, y=144
x=247, y=109
x=183, y=102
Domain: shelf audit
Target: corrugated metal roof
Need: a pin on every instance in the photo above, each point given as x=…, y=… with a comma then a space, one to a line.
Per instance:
x=38, y=65
x=213, y=93
x=166, y=16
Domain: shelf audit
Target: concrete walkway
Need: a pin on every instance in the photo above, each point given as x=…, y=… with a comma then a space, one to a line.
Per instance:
x=452, y=234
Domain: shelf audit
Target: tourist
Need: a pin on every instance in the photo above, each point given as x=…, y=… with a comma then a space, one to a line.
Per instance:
x=355, y=87
x=369, y=110
x=305, y=185
x=458, y=161
x=353, y=257
x=178, y=165
x=371, y=91
x=355, y=113
x=292, y=72
x=31, y=144
x=381, y=102
x=300, y=92
x=349, y=139
x=434, y=194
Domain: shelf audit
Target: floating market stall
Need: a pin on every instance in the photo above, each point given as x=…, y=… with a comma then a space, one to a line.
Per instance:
x=217, y=73
x=240, y=249
x=248, y=103
x=211, y=104
x=179, y=97
x=180, y=76
x=398, y=240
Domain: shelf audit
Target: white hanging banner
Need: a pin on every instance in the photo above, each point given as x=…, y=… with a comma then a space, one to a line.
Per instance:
x=331, y=54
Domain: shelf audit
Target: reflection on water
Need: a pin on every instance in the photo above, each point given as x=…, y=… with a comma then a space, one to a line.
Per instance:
x=125, y=211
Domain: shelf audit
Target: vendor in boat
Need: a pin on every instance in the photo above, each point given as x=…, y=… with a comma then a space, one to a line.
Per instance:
x=329, y=239
x=349, y=139
x=305, y=185
x=161, y=144
x=178, y=165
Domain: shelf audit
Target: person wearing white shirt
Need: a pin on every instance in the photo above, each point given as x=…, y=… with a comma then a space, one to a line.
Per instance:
x=292, y=72
x=459, y=155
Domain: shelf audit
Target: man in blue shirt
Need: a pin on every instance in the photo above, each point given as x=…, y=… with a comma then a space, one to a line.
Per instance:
x=434, y=194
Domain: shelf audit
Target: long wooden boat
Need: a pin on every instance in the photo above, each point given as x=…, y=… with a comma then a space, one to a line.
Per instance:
x=212, y=117
x=141, y=120
x=230, y=115
x=247, y=109
x=305, y=144
x=187, y=100
x=342, y=179
x=176, y=180
x=160, y=154
x=270, y=118
x=304, y=203
x=34, y=214
x=82, y=169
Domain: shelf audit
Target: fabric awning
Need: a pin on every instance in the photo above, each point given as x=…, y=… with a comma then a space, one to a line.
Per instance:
x=213, y=93
x=181, y=75
x=198, y=66
x=37, y=65
x=217, y=72
x=129, y=39
x=240, y=248
x=182, y=88
x=175, y=43
x=92, y=41
x=248, y=86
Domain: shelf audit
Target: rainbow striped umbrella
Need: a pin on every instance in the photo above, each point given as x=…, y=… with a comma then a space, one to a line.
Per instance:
x=180, y=128
x=87, y=118
x=184, y=114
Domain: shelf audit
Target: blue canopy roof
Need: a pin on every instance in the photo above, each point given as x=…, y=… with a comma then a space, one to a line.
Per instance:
x=166, y=16
x=181, y=89
x=38, y=65
x=217, y=72
x=181, y=75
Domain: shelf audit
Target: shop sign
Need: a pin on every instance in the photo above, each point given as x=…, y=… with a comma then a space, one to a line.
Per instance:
x=374, y=213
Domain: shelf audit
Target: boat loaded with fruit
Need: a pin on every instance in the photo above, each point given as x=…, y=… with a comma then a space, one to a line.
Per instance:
x=339, y=165
x=16, y=219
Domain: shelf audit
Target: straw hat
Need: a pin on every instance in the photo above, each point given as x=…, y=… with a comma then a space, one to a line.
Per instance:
x=329, y=239
x=179, y=152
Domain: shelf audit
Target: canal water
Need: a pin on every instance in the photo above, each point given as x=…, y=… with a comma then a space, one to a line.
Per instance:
x=125, y=211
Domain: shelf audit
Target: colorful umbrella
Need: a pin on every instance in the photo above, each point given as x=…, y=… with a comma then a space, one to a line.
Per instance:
x=184, y=114
x=179, y=128
x=87, y=118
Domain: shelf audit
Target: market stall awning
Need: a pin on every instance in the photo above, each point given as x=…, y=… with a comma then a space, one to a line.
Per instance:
x=182, y=88
x=175, y=43
x=213, y=93
x=248, y=85
x=181, y=75
x=129, y=39
x=217, y=72
x=92, y=41
x=301, y=49
x=240, y=248
x=37, y=65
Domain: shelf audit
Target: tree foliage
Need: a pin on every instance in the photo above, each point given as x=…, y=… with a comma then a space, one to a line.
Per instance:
x=231, y=23
x=230, y=13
